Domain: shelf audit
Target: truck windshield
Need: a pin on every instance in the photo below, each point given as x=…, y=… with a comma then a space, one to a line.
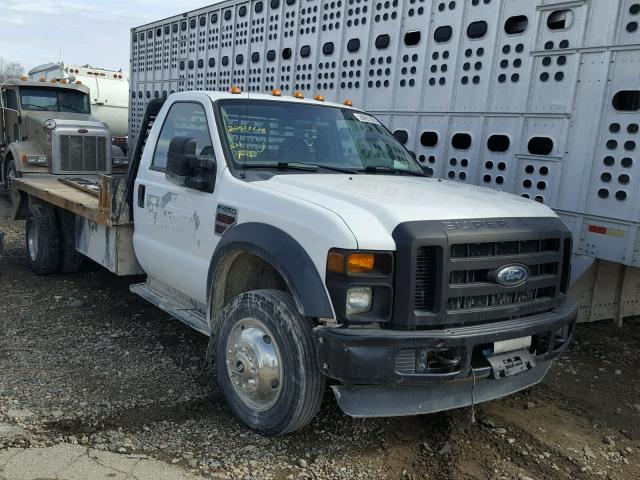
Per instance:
x=54, y=100
x=272, y=134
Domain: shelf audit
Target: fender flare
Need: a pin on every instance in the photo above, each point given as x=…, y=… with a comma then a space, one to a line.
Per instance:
x=17, y=149
x=283, y=253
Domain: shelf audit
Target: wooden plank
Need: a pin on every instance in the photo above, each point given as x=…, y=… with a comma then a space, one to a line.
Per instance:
x=50, y=190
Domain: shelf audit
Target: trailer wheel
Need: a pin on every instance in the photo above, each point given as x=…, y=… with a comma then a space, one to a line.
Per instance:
x=266, y=362
x=43, y=242
x=71, y=260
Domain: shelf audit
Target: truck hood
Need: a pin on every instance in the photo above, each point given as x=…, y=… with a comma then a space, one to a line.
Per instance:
x=67, y=118
x=373, y=205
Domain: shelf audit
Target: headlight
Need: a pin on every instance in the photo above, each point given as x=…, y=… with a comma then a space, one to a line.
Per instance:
x=50, y=124
x=359, y=300
x=37, y=160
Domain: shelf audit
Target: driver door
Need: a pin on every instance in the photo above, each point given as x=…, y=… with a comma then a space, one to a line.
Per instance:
x=174, y=235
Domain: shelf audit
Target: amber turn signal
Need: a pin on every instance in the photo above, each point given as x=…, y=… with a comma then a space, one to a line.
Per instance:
x=335, y=262
x=361, y=262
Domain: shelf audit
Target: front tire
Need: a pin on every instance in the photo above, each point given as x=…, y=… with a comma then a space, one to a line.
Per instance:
x=266, y=362
x=43, y=242
x=10, y=174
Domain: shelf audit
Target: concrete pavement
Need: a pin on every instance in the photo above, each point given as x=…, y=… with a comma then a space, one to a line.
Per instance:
x=75, y=462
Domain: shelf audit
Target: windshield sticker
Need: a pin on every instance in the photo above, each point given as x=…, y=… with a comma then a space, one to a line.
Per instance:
x=366, y=118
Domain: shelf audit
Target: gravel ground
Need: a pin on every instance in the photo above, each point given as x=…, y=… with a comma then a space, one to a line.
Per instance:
x=83, y=361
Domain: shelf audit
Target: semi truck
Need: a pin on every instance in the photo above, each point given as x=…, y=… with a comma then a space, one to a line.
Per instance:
x=47, y=127
x=538, y=98
x=312, y=248
x=109, y=94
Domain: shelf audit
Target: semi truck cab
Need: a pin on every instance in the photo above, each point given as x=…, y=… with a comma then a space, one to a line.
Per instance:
x=312, y=248
x=47, y=127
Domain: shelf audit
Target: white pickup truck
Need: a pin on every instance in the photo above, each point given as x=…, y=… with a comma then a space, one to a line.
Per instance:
x=312, y=248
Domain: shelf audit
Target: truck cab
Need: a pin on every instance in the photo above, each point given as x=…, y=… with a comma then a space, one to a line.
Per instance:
x=47, y=128
x=312, y=248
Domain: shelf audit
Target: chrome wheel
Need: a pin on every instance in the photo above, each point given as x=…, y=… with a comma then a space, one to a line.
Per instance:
x=32, y=241
x=254, y=364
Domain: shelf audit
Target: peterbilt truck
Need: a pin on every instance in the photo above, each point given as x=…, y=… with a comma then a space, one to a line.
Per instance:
x=47, y=127
x=312, y=249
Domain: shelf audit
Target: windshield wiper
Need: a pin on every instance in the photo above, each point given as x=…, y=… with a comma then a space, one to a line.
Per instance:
x=308, y=167
x=284, y=166
x=380, y=169
x=30, y=105
x=72, y=108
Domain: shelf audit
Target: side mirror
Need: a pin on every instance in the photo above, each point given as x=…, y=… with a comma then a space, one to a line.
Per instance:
x=187, y=169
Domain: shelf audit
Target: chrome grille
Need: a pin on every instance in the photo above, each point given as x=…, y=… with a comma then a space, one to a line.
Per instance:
x=80, y=153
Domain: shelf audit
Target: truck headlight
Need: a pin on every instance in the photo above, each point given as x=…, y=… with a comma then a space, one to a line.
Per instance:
x=37, y=160
x=359, y=300
x=50, y=124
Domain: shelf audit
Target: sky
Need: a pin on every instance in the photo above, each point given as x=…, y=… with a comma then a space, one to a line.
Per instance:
x=79, y=31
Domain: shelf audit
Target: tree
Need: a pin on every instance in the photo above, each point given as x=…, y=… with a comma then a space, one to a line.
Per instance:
x=10, y=70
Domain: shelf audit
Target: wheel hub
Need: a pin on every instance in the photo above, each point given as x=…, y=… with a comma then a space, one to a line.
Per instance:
x=254, y=364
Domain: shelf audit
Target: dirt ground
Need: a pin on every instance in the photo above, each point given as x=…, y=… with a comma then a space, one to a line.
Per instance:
x=84, y=361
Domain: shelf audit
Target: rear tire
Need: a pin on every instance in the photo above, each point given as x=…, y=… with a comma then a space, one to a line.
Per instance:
x=43, y=241
x=71, y=260
x=266, y=362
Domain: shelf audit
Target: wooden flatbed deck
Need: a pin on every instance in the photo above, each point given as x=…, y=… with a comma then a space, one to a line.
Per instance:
x=105, y=207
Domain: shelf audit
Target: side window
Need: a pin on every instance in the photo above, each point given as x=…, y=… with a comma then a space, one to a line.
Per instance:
x=183, y=120
x=11, y=100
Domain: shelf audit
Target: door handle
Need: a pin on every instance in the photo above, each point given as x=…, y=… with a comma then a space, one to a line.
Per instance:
x=141, y=192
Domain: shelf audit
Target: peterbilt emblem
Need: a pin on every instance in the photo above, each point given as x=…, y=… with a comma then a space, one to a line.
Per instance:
x=512, y=275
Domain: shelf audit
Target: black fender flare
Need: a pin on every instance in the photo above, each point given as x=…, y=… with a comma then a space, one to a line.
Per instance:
x=283, y=253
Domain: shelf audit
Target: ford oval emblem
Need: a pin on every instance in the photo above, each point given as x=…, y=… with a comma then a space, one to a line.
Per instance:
x=83, y=130
x=512, y=275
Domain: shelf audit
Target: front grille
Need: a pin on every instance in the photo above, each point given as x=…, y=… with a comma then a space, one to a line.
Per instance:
x=426, y=278
x=456, y=283
x=520, y=297
x=80, y=153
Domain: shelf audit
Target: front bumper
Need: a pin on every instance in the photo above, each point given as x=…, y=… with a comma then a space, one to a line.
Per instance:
x=374, y=382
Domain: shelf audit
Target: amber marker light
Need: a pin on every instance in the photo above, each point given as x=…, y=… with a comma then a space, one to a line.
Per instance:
x=276, y=93
x=319, y=98
x=348, y=103
x=235, y=90
x=298, y=94
x=335, y=262
x=361, y=262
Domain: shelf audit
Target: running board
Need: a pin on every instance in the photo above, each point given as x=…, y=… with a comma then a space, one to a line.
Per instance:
x=185, y=313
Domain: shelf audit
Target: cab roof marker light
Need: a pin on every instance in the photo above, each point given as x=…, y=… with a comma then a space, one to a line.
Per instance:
x=319, y=98
x=24, y=78
x=298, y=94
x=235, y=90
x=276, y=93
x=348, y=103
